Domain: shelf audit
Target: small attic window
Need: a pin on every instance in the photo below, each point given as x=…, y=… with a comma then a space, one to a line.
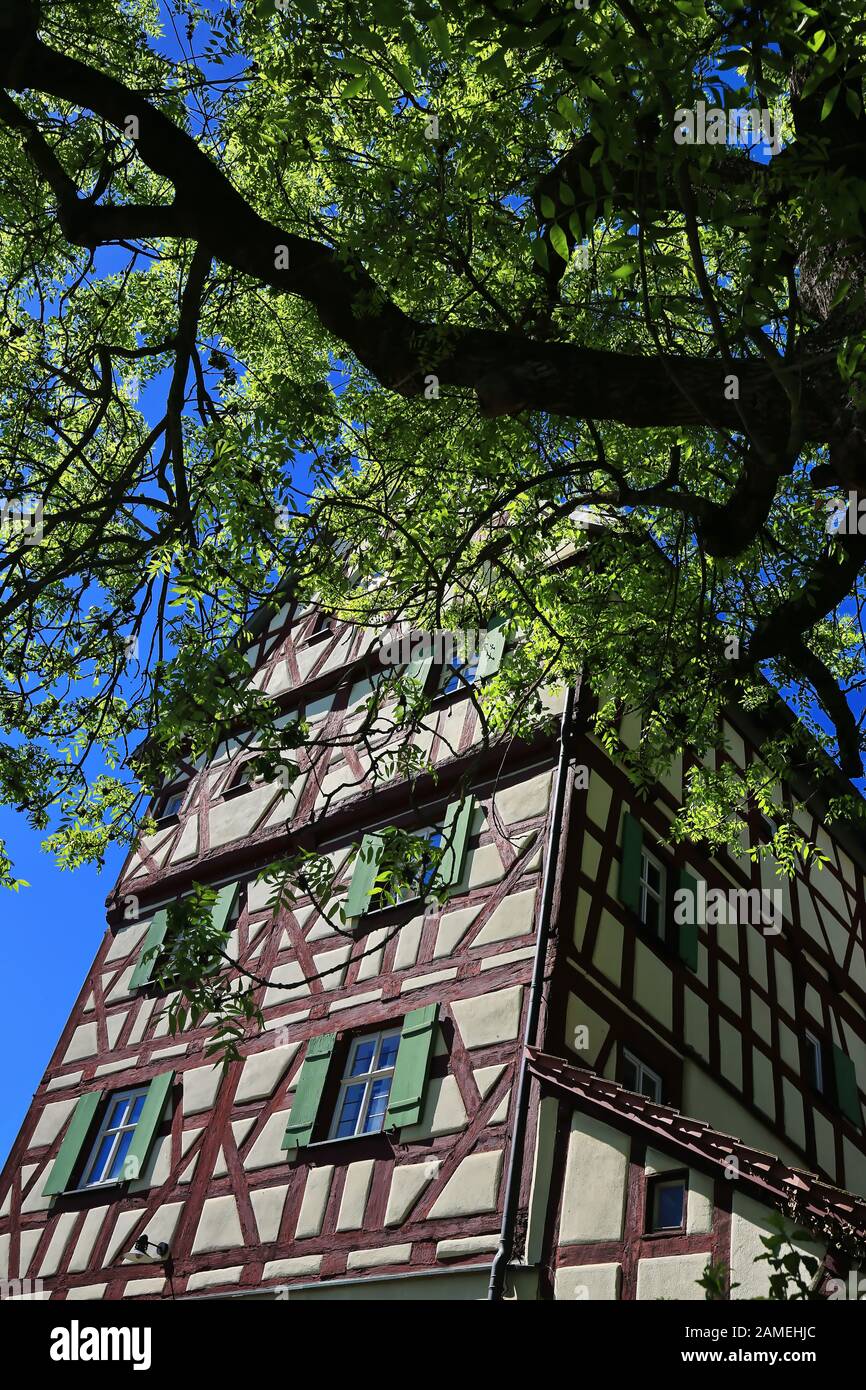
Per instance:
x=765, y=829
x=242, y=778
x=171, y=803
x=320, y=629
x=666, y=1204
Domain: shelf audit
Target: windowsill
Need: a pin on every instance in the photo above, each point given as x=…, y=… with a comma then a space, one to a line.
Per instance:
x=347, y=1139
x=389, y=907
x=664, y=1235
x=380, y=1143
x=231, y=792
x=111, y=1190
x=163, y=821
x=445, y=697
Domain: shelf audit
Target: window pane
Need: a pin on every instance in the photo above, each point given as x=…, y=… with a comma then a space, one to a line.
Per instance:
x=117, y=1165
x=652, y=874
x=652, y=918
x=363, y=1058
x=350, y=1111
x=378, y=1105
x=97, y=1168
x=118, y=1110
x=669, y=1206
x=388, y=1052
x=629, y=1074
x=649, y=1086
x=137, y=1107
x=460, y=674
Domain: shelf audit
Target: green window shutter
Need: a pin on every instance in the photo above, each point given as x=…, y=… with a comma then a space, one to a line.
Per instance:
x=155, y=937
x=147, y=1124
x=845, y=1076
x=629, y=869
x=406, y=1100
x=222, y=908
x=418, y=669
x=73, y=1139
x=364, y=876
x=455, y=835
x=492, y=647
x=308, y=1092
x=687, y=940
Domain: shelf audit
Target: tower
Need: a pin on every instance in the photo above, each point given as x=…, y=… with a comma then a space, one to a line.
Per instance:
x=609, y=1059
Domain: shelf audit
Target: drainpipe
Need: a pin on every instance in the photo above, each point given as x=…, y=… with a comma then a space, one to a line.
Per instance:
x=499, y=1267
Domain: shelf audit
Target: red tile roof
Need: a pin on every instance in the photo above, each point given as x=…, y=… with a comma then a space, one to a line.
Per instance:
x=838, y=1215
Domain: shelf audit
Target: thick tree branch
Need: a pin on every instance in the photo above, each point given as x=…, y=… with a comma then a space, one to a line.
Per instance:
x=509, y=371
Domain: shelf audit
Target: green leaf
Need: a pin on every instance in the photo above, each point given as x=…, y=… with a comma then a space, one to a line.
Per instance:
x=439, y=30
x=548, y=207
x=830, y=101
x=539, y=251
x=559, y=242
x=377, y=87
x=357, y=84
x=586, y=181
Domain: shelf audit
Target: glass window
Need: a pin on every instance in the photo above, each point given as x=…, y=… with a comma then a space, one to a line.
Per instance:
x=434, y=836
x=111, y=1146
x=638, y=1077
x=366, y=1085
x=816, y=1061
x=171, y=804
x=320, y=628
x=242, y=777
x=458, y=673
x=652, y=891
x=667, y=1204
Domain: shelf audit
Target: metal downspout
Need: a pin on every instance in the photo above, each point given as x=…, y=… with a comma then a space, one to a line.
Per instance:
x=499, y=1267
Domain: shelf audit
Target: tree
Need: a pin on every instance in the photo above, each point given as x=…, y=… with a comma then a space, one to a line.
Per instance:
x=436, y=280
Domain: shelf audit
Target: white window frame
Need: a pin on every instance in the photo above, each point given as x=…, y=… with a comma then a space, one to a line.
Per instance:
x=130, y=1096
x=643, y=1071
x=647, y=891
x=660, y=1183
x=817, y=1079
x=366, y=1079
x=163, y=812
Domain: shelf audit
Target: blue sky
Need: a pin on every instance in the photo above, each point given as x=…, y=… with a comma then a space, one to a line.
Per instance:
x=49, y=934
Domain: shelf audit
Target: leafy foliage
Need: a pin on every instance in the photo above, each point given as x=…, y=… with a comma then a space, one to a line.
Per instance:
x=441, y=282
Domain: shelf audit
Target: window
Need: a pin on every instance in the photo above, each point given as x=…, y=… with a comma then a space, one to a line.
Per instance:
x=106, y=1161
x=815, y=1061
x=171, y=803
x=458, y=673
x=652, y=893
x=242, y=778
x=666, y=1204
x=435, y=838
x=366, y=1085
x=320, y=629
x=766, y=831
x=637, y=1076
x=412, y=889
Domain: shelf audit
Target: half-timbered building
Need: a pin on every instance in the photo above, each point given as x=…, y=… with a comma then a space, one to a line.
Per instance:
x=552, y=1084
